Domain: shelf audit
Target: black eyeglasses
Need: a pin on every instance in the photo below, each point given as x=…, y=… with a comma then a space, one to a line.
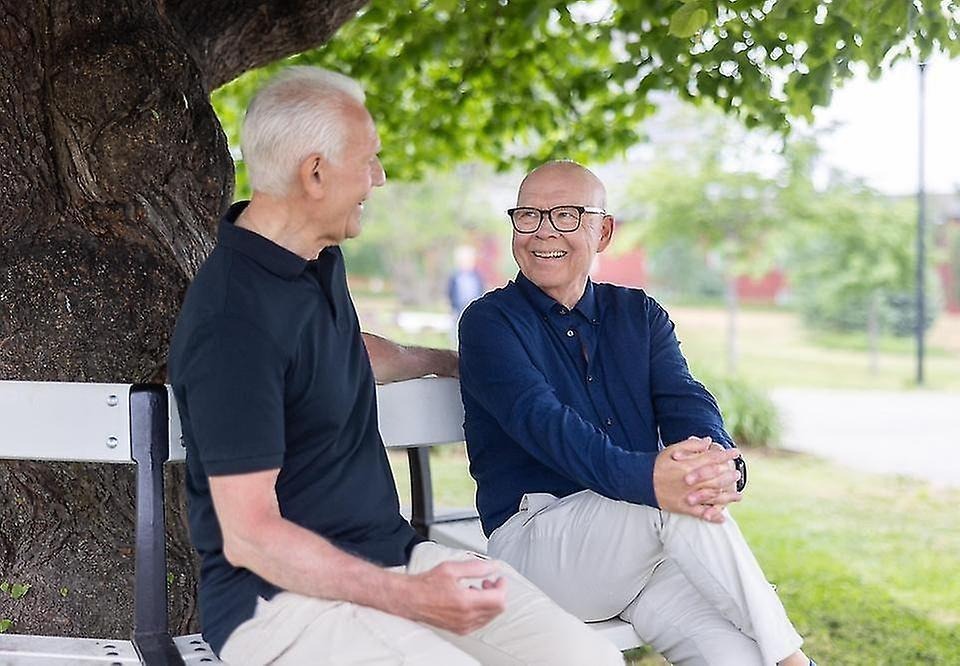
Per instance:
x=564, y=219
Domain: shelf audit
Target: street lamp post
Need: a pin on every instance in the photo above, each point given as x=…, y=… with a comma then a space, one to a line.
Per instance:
x=921, y=222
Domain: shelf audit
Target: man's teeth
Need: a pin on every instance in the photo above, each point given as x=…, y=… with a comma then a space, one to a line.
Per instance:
x=555, y=254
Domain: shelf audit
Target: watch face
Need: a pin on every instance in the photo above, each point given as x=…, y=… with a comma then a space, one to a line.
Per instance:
x=741, y=466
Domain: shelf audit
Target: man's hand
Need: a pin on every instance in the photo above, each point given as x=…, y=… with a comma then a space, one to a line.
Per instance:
x=697, y=478
x=457, y=596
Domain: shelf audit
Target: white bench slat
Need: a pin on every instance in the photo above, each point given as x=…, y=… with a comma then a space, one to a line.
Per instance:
x=65, y=421
x=195, y=650
x=58, y=651
x=422, y=411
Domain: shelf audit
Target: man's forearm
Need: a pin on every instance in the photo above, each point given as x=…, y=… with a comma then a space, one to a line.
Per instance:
x=298, y=560
x=393, y=362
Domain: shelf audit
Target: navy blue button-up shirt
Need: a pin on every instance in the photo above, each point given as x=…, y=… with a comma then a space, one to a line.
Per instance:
x=560, y=400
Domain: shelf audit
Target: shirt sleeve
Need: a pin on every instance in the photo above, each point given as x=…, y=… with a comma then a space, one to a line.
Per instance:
x=497, y=371
x=233, y=389
x=683, y=407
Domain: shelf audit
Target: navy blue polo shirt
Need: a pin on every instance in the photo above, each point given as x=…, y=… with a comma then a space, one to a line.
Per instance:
x=559, y=400
x=270, y=372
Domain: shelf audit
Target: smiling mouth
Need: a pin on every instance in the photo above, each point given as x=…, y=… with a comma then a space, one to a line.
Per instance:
x=553, y=254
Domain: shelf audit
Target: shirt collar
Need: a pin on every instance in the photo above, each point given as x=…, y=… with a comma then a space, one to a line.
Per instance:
x=586, y=306
x=276, y=259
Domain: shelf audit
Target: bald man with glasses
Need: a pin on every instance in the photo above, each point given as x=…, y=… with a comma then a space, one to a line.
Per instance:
x=603, y=468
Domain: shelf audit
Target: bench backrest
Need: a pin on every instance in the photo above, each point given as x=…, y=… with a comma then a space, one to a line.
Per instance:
x=138, y=423
x=89, y=422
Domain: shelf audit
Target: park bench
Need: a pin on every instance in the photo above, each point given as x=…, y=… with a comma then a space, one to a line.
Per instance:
x=138, y=423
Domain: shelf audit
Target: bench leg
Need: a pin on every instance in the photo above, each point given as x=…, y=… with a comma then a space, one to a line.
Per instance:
x=421, y=490
x=149, y=441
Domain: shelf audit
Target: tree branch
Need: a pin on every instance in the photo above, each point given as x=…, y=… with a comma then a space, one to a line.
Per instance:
x=232, y=36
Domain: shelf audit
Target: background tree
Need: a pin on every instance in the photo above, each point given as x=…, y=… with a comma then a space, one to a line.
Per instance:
x=114, y=168
x=852, y=265
x=707, y=196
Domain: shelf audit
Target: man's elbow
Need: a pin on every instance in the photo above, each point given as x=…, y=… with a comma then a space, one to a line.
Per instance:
x=240, y=549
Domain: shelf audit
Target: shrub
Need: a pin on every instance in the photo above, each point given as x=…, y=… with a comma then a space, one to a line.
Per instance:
x=749, y=414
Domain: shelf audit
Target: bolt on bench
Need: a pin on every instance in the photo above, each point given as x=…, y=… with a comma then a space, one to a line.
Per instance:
x=138, y=423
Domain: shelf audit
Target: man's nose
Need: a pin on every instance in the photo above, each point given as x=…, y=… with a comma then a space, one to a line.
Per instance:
x=379, y=174
x=546, y=229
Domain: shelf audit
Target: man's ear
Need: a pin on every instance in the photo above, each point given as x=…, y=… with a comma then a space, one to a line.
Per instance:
x=312, y=175
x=606, y=232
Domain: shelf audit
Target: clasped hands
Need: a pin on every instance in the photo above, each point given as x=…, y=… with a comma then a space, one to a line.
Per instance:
x=696, y=477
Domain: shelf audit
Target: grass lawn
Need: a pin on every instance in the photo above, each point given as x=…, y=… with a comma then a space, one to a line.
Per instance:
x=777, y=350
x=868, y=566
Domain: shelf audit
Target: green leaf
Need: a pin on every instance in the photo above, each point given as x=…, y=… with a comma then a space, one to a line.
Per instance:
x=5, y=624
x=17, y=590
x=63, y=592
x=687, y=20
x=4, y=587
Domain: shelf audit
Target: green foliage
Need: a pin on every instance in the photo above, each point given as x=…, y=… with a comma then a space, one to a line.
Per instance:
x=515, y=82
x=64, y=592
x=14, y=590
x=5, y=624
x=18, y=590
x=852, y=258
x=717, y=203
x=749, y=414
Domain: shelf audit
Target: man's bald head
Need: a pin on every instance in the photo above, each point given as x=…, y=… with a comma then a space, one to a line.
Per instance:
x=563, y=175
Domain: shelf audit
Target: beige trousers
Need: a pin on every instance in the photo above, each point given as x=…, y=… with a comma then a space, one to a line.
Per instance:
x=692, y=590
x=295, y=630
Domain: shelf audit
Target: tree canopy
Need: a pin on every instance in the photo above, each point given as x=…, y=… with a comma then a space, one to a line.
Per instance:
x=513, y=81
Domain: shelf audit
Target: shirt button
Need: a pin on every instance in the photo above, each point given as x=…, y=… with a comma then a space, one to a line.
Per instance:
x=589, y=378
x=570, y=333
x=609, y=421
x=563, y=311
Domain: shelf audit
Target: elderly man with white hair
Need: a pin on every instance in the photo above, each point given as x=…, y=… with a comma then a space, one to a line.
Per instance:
x=305, y=557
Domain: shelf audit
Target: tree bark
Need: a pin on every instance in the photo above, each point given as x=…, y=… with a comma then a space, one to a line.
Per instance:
x=113, y=172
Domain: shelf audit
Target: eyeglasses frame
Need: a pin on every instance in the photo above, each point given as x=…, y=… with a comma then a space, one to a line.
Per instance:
x=549, y=214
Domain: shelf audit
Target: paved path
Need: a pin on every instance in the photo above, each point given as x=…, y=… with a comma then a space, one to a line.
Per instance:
x=915, y=433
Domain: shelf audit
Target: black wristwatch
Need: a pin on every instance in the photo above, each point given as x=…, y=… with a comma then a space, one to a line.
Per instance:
x=741, y=466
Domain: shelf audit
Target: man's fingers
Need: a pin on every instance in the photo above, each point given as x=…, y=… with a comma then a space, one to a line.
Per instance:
x=473, y=568
x=714, y=514
x=713, y=496
x=495, y=583
x=716, y=474
x=690, y=448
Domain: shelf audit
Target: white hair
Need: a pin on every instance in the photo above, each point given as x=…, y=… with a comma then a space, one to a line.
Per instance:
x=298, y=112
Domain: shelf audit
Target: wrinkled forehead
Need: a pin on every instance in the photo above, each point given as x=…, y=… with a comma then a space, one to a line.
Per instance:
x=556, y=184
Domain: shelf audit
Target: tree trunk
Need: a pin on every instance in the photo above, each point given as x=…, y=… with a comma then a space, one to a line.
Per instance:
x=733, y=308
x=873, y=332
x=113, y=172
